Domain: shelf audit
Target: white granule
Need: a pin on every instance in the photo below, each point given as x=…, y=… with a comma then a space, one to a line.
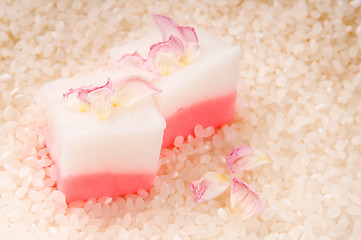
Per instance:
x=299, y=101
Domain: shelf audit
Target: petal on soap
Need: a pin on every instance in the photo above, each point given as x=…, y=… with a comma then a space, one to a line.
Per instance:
x=165, y=55
x=244, y=200
x=131, y=90
x=100, y=101
x=91, y=96
x=187, y=35
x=211, y=185
x=245, y=158
x=135, y=64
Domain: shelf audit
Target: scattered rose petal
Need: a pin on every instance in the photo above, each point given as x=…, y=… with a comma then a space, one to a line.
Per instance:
x=165, y=55
x=211, y=185
x=244, y=200
x=95, y=97
x=185, y=34
x=245, y=158
x=135, y=64
x=130, y=90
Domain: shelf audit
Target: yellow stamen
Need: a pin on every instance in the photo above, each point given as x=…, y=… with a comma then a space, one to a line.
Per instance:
x=82, y=107
x=183, y=61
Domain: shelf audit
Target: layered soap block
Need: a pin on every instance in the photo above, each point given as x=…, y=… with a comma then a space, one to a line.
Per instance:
x=202, y=91
x=99, y=156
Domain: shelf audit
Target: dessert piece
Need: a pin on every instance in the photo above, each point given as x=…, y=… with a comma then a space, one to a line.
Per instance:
x=197, y=73
x=103, y=132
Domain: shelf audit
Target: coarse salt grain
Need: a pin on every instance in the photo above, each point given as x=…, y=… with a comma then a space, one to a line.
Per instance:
x=333, y=212
x=36, y=196
x=222, y=214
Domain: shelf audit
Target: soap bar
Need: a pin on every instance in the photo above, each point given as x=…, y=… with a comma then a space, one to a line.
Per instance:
x=101, y=157
x=203, y=91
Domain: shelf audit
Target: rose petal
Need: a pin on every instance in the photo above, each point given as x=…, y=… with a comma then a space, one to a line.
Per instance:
x=130, y=90
x=91, y=96
x=244, y=200
x=100, y=101
x=135, y=64
x=245, y=158
x=185, y=34
x=211, y=185
x=165, y=55
x=79, y=105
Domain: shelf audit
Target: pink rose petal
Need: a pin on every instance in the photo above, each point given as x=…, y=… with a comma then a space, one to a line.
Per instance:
x=100, y=101
x=95, y=97
x=135, y=64
x=165, y=55
x=211, y=185
x=185, y=34
x=131, y=89
x=245, y=158
x=244, y=200
x=82, y=93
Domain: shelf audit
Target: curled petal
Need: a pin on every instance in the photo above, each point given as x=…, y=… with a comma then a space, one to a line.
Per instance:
x=100, y=101
x=245, y=158
x=211, y=185
x=135, y=64
x=185, y=34
x=130, y=90
x=94, y=97
x=77, y=104
x=244, y=200
x=165, y=55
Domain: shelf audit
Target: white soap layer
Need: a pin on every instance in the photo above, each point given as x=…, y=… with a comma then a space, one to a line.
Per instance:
x=212, y=74
x=129, y=140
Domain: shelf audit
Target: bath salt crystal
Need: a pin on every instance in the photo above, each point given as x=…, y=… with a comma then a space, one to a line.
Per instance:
x=205, y=158
x=272, y=236
x=202, y=219
x=143, y=194
x=7, y=183
x=333, y=212
x=179, y=186
x=178, y=141
x=36, y=196
x=139, y=203
x=198, y=130
x=58, y=196
x=222, y=214
x=126, y=219
x=356, y=140
x=354, y=211
x=229, y=133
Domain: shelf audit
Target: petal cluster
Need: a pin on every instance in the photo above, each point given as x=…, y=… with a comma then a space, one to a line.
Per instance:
x=243, y=200
x=102, y=99
x=180, y=45
x=178, y=48
x=165, y=55
x=135, y=64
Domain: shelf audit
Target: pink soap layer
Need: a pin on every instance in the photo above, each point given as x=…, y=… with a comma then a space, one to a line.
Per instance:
x=212, y=112
x=104, y=184
x=98, y=185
